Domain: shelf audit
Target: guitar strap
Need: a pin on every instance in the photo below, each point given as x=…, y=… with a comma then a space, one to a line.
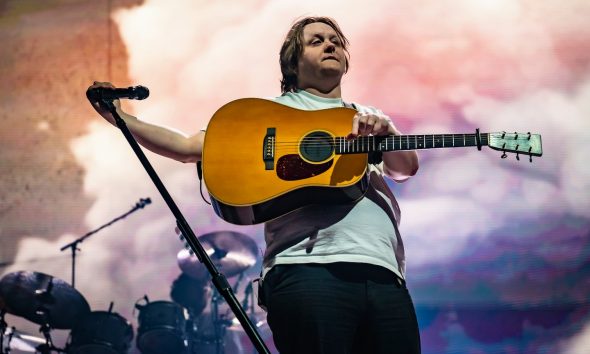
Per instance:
x=374, y=196
x=375, y=157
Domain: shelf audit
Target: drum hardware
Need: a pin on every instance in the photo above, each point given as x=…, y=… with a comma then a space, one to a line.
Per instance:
x=210, y=335
x=44, y=346
x=45, y=297
x=74, y=245
x=232, y=252
x=215, y=332
x=209, y=332
x=3, y=327
x=20, y=341
x=45, y=329
x=101, y=332
x=248, y=302
x=162, y=327
x=249, y=305
x=219, y=322
x=42, y=299
x=191, y=294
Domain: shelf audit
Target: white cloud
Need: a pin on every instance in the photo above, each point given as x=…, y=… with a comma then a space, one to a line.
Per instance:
x=579, y=344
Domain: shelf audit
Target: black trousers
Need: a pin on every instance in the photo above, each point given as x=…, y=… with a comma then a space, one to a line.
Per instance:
x=339, y=308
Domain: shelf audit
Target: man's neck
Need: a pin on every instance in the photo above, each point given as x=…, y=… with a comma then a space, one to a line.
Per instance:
x=333, y=93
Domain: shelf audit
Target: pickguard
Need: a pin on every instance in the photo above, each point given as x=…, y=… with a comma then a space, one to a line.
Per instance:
x=292, y=168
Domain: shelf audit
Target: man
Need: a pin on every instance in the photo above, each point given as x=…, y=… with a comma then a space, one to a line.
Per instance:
x=333, y=276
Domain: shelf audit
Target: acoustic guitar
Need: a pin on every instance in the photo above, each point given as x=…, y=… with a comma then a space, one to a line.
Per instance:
x=262, y=159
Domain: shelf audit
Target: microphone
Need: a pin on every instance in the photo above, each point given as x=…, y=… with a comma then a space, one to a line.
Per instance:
x=110, y=93
x=143, y=202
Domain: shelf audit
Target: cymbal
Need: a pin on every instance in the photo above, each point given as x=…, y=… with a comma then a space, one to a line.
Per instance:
x=30, y=294
x=232, y=252
x=21, y=341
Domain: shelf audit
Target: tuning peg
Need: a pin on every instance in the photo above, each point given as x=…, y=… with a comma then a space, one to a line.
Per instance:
x=181, y=237
x=504, y=155
x=529, y=136
x=517, y=157
x=515, y=135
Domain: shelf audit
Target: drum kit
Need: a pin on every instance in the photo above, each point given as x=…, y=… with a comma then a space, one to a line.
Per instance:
x=182, y=326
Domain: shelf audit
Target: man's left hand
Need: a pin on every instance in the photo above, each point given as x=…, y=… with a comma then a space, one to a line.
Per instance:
x=365, y=124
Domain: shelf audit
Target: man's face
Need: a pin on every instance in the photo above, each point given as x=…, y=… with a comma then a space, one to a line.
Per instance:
x=323, y=56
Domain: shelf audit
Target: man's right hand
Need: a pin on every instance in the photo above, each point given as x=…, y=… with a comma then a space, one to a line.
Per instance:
x=161, y=140
x=100, y=107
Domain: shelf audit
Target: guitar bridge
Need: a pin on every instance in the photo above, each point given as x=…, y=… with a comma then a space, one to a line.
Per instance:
x=268, y=149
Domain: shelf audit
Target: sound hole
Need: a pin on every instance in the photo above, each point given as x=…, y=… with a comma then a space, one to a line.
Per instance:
x=316, y=147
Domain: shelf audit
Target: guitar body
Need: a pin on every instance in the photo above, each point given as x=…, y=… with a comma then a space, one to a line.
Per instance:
x=256, y=168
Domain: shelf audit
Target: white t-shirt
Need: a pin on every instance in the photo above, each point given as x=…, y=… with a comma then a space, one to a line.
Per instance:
x=363, y=232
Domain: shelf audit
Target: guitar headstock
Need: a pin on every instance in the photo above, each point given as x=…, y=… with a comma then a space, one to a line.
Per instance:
x=519, y=143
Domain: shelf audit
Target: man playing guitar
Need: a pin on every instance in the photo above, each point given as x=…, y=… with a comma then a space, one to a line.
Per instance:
x=333, y=274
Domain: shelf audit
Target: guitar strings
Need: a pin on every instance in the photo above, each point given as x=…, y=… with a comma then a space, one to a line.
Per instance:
x=368, y=142
x=419, y=136
x=386, y=137
x=365, y=142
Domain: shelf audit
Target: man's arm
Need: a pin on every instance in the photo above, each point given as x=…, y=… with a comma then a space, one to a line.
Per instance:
x=399, y=165
x=161, y=140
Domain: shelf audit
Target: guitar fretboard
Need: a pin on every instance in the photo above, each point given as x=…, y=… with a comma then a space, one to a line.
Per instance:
x=365, y=144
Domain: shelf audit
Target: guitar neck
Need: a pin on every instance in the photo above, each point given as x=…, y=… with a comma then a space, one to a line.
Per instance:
x=366, y=144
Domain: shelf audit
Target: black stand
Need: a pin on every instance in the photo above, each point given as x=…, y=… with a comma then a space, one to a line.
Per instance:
x=45, y=329
x=218, y=279
x=3, y=327
x=74, y=245
x=219, y=324
x=249, y=302
x=44, y=296
x=48, y=347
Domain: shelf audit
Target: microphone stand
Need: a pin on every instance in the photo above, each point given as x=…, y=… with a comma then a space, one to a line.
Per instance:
x=74, y=245
x=219, y=280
